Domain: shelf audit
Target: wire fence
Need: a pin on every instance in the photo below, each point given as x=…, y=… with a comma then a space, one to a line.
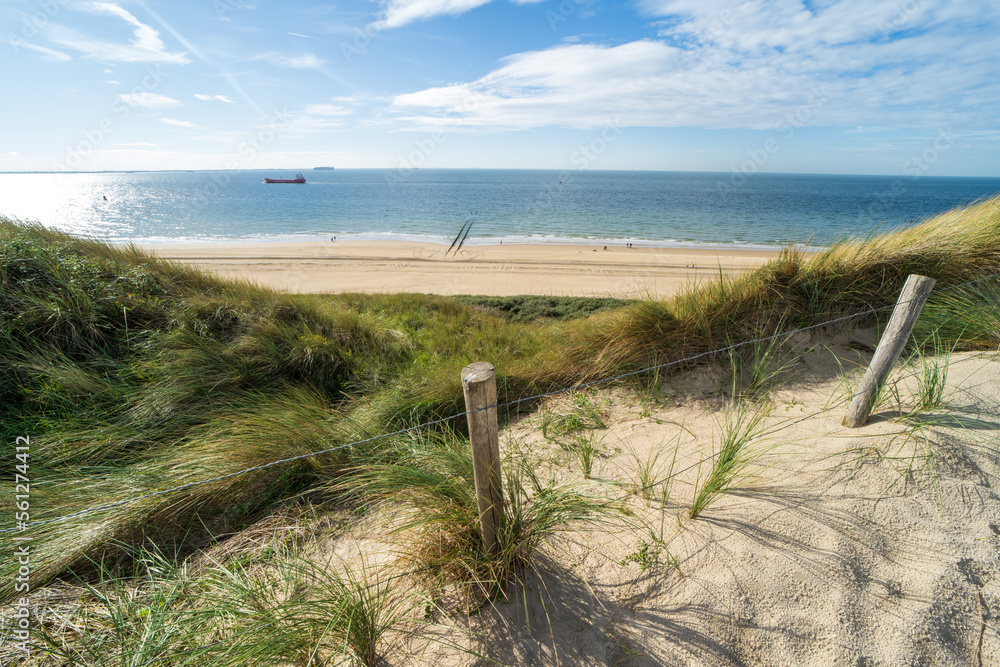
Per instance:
x=637, y=491
x=529, y=399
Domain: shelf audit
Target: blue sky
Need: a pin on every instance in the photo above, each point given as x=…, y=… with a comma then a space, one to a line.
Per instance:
x=895, y=87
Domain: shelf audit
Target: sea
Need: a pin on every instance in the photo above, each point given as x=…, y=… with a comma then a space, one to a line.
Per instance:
x=666, y=209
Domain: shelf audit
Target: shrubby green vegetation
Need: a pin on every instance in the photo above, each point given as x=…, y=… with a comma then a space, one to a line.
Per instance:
x=528, y=308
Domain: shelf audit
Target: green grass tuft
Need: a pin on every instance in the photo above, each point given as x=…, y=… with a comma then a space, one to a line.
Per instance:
x=740, y=426
x=430, y=488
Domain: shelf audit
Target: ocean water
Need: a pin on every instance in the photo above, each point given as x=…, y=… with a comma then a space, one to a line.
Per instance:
x=517, y=206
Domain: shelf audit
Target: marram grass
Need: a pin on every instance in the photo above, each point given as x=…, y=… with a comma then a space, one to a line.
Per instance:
x=430, y=489
x=286, y=610
x=849, y=278
x=132, y=374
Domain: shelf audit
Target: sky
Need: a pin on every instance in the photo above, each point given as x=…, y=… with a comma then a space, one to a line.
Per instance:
x=891, y=87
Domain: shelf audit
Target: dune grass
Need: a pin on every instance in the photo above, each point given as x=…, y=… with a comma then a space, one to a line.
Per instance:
x=737, y=450
x=287, y=610
x=430, y=490
x=849, y=278
x=133, y=375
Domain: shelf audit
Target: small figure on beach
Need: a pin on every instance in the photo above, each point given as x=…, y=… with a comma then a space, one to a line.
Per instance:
x=605, y=247
x=334, y=238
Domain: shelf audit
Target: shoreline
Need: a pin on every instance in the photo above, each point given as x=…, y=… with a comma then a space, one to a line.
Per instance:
x=493, y=270
x=477, y=242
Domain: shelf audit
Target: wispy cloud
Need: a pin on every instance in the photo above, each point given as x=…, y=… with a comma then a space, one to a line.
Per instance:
x=224, y=71
x=316, y=117
x=146, y=46
x=754, y=64
x=149, y=100
x=302, y=61
x=178, y=123
x=397, y=13
x=220, y=98
x=47, y=53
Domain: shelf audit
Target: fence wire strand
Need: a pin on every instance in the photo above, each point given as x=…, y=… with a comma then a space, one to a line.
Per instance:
x=633, y=492
x=686, y=360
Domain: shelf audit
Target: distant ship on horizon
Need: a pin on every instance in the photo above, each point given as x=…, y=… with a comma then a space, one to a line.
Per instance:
x=322, y=168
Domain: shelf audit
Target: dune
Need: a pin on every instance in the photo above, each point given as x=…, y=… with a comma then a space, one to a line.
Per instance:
x=868, y=546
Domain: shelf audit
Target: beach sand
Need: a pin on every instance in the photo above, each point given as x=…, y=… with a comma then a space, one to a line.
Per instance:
x=496, y=270
x=837, y=546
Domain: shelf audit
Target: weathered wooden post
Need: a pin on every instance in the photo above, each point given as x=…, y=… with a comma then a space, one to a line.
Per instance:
x=480, y=387
x=904, y=316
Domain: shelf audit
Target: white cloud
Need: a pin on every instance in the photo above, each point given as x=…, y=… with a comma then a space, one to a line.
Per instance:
x=304, y=61
x=47, y=53
x=178, y=123
x=982, y=135
x=113, y=82
x=146, y=45
x=325, y=110
x=319, y=117
x=13, y=154
x=753, y=64
x=397, y=13
x=221, y=98
x=149, y=100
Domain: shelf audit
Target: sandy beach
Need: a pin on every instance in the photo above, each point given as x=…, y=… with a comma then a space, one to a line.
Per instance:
x=837, y=546
x=496, y=270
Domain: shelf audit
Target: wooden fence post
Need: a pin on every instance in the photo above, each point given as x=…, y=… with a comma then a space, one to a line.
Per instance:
x=904, y=316
x=480, y=387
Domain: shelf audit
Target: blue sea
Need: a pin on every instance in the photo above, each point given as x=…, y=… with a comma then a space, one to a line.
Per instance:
x=672, y=209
